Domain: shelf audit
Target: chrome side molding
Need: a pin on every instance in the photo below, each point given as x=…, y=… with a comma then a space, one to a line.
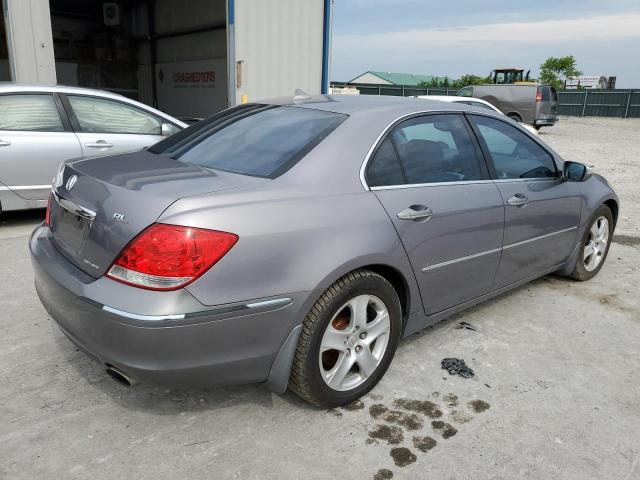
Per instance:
x=265, y=305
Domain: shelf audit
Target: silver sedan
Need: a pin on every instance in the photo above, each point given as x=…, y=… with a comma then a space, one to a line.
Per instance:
x=42, y=126
x=295, y=242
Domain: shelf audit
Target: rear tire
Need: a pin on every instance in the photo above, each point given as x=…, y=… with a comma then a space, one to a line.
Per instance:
x=594, y=245
x=359, y=315
x=515, y=117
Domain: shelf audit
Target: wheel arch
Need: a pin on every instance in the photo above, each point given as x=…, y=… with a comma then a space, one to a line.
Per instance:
x=399, y=284
x=514, y=116
x=398, y=273
x=614, y=207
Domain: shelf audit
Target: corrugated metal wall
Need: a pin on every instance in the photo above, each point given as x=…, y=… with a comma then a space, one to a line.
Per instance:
x=279, y=43
x=184, y=15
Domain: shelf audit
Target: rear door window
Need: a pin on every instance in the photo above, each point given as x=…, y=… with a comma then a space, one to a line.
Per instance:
x=258, y=140
x=384, y=168
x=32, y=113
x=546, y=95
x=554, y=94
x=513, y=153
x=99, y=115
x=435, y=149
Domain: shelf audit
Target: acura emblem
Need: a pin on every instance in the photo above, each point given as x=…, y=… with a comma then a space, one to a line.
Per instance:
x=71, y=182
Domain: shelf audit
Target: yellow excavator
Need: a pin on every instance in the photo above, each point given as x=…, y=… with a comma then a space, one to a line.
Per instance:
x=509, y=76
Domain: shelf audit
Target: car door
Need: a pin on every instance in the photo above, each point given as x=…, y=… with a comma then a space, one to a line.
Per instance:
x=542, y=211
x=34, y=140
x=429, y=176
x=105, y=126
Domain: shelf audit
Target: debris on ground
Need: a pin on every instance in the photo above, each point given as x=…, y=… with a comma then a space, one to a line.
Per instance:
x=457, y=366
x=465, y=326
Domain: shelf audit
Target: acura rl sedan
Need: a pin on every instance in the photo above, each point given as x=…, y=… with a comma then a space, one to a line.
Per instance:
x=294, y=242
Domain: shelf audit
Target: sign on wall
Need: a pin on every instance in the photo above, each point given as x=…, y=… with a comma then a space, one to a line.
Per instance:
x=192, y=89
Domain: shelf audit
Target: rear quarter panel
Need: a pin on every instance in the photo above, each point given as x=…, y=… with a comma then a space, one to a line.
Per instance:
x=289, y=241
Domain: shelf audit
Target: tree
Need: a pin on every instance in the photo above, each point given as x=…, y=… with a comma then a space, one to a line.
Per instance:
x=467, y=80
x=445, y=82
x=553, y=68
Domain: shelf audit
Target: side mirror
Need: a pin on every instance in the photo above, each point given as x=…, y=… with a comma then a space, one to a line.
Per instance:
x=575, y=172
x=169, y=129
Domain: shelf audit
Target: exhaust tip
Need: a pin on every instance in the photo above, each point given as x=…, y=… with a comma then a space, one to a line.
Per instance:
x=120, y=377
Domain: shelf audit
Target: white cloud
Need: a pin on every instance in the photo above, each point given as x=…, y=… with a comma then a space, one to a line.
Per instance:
x=504, y=36
x=453, y=51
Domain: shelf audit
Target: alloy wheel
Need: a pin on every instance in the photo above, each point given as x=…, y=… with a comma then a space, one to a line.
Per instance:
x=354, y=342
x=596, y=245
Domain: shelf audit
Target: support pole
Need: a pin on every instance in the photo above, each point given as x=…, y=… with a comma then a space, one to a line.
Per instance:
x=30, y=41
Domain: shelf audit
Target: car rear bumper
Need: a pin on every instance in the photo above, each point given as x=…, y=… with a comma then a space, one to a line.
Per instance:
x=545, y=121
x=221, y=345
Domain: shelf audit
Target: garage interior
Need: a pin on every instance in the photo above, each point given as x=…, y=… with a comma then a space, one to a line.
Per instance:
x=145, y=50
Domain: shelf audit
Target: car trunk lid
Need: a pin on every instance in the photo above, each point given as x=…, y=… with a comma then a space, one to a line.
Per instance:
x=99, y=205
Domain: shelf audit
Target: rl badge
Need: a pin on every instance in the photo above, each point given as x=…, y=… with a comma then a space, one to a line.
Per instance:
x=121, y=217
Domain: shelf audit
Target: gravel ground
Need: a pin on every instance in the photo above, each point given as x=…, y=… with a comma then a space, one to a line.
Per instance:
x=611, y=146
x=555, y=393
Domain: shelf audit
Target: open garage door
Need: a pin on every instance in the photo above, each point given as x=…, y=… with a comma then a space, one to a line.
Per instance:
x=176, y=55
x=171, y=54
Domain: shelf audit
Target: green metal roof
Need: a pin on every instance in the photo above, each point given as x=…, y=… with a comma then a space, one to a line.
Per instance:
x=408, y=79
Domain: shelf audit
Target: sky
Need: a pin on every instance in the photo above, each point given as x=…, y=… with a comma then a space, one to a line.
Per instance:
x=455, y=37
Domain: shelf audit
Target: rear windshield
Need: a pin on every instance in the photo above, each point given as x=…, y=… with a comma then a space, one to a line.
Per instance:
x=258, y=140
x=545, y=94
x=554, y=94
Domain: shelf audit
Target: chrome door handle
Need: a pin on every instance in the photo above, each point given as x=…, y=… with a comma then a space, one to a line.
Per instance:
x=416, y=213
x=4, y=143
x=518, y=200
x=100, y=144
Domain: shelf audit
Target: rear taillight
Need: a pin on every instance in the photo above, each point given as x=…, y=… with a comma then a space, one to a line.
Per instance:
x=47, y=217
x=168, y=257
x=538, y=95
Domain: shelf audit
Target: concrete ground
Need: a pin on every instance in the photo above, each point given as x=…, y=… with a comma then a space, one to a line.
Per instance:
x=555, y=393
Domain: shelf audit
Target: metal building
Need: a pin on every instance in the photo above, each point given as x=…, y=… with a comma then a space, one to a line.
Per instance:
x=186, y=57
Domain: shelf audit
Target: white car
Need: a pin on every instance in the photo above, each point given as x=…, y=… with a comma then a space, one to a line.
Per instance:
x=42, y=126
x=476, y=102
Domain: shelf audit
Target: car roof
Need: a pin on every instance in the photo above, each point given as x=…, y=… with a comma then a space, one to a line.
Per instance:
x=454, y=98
x=365, y=104
x=6, y=87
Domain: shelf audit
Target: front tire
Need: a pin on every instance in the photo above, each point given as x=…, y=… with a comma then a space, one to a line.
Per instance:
x=348, y=340
x=594, y=246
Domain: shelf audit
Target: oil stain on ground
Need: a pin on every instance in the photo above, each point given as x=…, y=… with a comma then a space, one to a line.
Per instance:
x=450, y=400
x=424, y=444
x=479, y=406
x=402, y=456
x=459, y=416
x=388, y=433
x=410, y=421
x=447, y=430
x=394, y=423
x=425, y=407
x=383, y=474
